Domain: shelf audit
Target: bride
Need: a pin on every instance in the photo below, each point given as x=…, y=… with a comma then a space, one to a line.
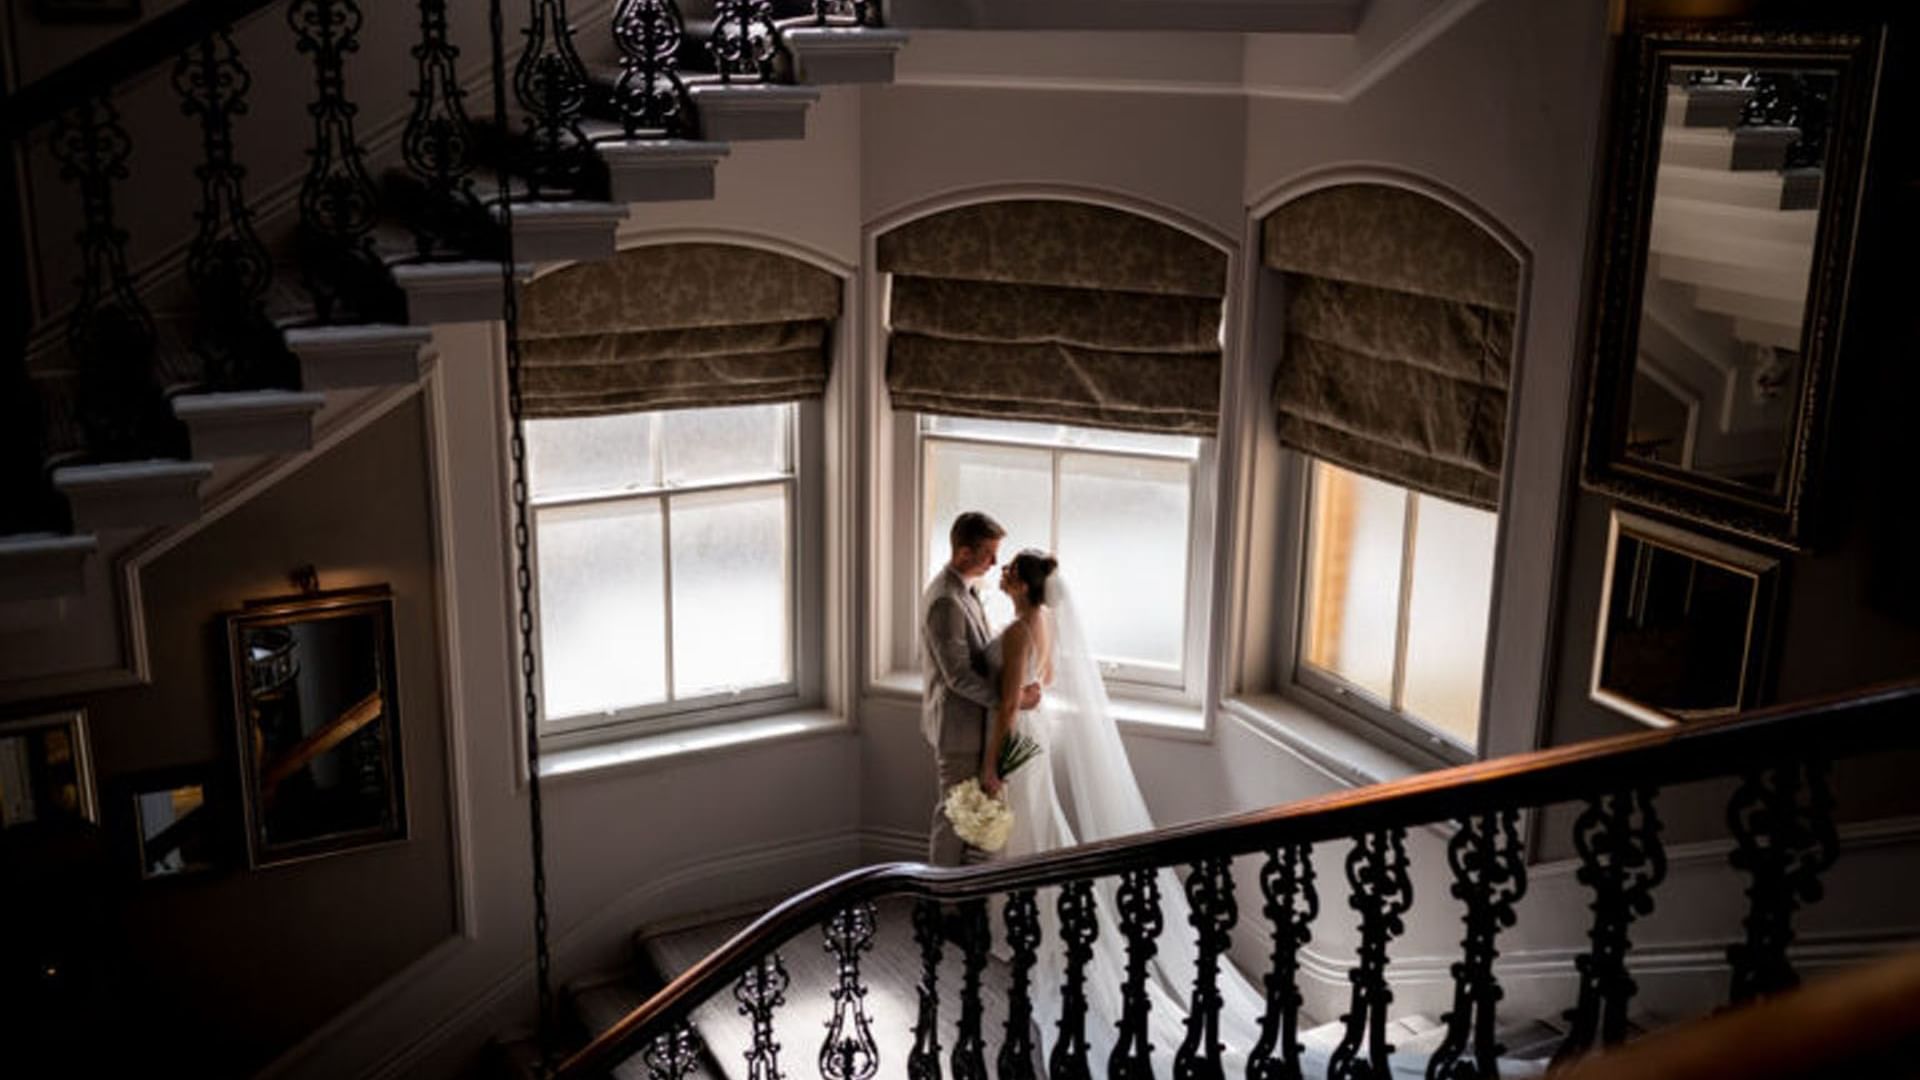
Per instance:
x=1081, y=789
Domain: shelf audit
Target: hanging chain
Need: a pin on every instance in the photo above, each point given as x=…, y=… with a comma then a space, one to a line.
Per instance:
x=523, y=569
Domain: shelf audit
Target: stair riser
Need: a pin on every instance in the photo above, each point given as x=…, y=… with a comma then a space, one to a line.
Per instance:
x=755, y=125
x=43, y=578
x=469, y=302
x=134, y=508
x=830, y=68
x=344, y=372
x=690, y=182
x=213, y=439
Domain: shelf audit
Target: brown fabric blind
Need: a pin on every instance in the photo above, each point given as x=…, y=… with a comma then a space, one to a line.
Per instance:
x=1055, y=311
x=1399, y=338
x=677, y=326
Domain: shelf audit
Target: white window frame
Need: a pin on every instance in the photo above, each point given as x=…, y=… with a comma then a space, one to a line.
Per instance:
x=1145, y=683
x=1403, y=729
x=804, y=688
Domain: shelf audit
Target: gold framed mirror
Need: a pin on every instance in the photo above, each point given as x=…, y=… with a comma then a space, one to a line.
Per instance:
x=1730, y=222
x=317, y=715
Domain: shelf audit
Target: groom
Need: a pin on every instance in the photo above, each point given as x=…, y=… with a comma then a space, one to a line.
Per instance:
x=961, y=688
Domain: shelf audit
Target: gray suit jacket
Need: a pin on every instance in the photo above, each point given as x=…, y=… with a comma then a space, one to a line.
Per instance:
x=960, y=686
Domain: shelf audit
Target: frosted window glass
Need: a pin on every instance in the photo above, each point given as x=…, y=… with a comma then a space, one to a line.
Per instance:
x=1012, y=484
x=738, y=442
x=588, y=455
x=1447, y=616
x=1353, y=578
x=602, y=608
x=1123, y=542
x=729, y=590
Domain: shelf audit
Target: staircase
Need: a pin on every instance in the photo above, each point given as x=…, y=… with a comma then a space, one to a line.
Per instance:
x=149, y=401
x=880, y=991
x=1730, y=258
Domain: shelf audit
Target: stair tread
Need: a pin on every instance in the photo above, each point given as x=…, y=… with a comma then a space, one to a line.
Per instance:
x=39, y=543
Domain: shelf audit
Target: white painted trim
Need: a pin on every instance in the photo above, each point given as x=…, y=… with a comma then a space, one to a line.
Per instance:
x=447, y=612
x=882, y=580
x=1538, y=668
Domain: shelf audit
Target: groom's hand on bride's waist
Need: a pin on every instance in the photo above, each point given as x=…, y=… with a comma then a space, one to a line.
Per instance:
x=1030, y=696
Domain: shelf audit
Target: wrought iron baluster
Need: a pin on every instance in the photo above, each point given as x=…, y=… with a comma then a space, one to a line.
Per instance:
x=674, y=1054
x=1292, y=903
x=745, y=42
x=227, y=265
x=338, y=204
x=1214, y=911
x=110, y=333
x=438, y=145
x=551, y=84
x=1795, y=100
x=1023, y=938
x=1621, y=859
x=1784, y=842
x=969, y=1048
x=923, y=1063
x=1141, y=921
x=1489, y=866
x=1079, y=927
x=762, y=989
x=849, y=1052
x=1382, y=893
x=650, y=94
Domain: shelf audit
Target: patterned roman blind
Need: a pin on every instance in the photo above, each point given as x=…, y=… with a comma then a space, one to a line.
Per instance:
x=677, y=326
x=1055, y=311
x=1399, y=338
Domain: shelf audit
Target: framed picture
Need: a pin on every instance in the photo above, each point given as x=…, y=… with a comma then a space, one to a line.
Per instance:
x=178, y=822
x=1684, y=624
x=46, y=770
x=317, y=715
x=86, y=11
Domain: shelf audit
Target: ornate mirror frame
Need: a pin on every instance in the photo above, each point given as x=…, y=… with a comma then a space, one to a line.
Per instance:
x=1648, y=54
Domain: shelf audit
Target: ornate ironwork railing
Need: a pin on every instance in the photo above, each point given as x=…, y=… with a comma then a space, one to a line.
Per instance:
x=651, y=96
x=551, y=84
x=1780, y=815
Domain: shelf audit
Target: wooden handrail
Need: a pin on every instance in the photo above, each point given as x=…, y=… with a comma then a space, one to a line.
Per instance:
x=1863, y=1023
x=156, y=41
x=1830, y=727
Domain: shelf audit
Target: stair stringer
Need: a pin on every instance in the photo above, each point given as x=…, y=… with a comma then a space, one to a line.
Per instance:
x=103, y=630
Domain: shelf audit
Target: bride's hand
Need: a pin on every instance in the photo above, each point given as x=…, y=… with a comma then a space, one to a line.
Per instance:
x=1030, y=696
x=990, y=781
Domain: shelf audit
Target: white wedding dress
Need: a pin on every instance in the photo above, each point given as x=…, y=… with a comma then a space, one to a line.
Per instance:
x=1082, y=789
x=1079, y=790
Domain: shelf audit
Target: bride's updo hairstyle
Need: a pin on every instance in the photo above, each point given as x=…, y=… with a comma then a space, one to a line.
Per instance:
x=1035, y=568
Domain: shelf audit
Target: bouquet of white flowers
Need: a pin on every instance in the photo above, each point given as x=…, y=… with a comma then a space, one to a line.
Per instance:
x=984, y=820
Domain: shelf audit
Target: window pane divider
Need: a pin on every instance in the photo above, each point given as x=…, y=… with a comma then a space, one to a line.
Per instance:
x=700, y=487
x=1410, y=524
x=1096, y=451
x=666, y=588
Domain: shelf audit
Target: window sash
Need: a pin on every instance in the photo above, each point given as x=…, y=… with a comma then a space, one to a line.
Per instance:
x=1145, y=679
x=678, y=712
x=1389, y=714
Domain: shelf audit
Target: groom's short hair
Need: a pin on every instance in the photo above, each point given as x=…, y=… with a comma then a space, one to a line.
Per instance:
x=974, y=528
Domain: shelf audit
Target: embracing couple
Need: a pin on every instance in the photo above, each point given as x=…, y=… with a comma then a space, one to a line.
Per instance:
x=980, y=685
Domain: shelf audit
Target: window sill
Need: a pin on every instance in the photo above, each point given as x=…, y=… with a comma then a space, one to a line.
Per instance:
x=1137, y=716
x=1327, y=743
x=641, y=750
